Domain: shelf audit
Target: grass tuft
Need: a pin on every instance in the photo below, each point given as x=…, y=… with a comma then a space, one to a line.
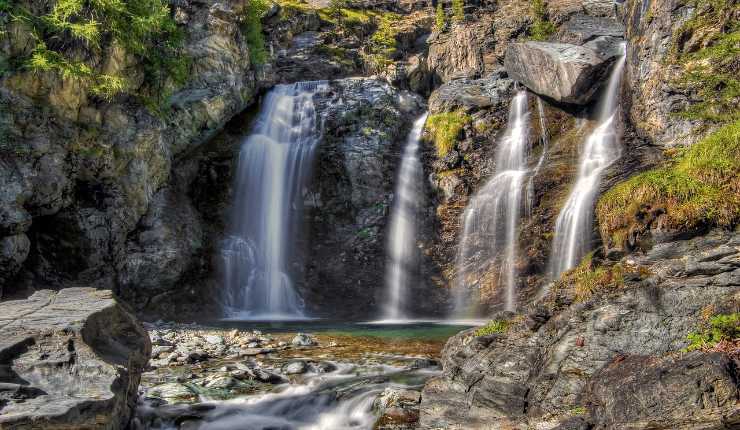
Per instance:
x=588, y=277
x=717, y=329
x=701, y=187
x=444, y=129
x=494, y=327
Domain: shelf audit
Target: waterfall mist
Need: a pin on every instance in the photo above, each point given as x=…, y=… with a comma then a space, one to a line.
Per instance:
x=274, y=166
x=492, y=215
x=574, y=225
x=403, y=253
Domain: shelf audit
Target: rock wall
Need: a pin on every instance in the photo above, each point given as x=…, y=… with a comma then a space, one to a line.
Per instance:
x=69, y=359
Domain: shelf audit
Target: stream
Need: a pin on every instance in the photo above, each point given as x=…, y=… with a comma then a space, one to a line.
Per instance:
x=289, y=375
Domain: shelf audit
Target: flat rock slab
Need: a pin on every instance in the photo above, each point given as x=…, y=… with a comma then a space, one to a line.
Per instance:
x=563, y=72
x=69, y=359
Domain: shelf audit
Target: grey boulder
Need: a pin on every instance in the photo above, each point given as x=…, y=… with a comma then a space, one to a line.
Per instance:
x=69, y=359
x=563, y=72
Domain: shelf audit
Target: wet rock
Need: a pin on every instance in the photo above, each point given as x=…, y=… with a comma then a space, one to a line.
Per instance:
x=325, y=367
x=302, y=339
x=78, y=356
x=171, y=392
x=214, y=340
x=563, y=72
x=296, y=367
x=398, y=409
x=471, y=95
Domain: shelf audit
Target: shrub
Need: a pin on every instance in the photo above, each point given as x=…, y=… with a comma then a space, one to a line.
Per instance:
x=707, y=46
x=494, y=326
x=444, y=129
x=700, y=187
x=252, y=27
x=440, y=18
x=541, y=27
x=719, y=328
x=458, y=10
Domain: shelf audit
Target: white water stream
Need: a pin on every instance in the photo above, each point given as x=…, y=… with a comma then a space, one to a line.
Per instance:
x=403, y=252
x=491, y=218
x=574, y=225
x=274, y=166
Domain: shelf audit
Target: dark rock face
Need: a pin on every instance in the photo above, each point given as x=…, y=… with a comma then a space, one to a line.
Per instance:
x=563, y=72
x=78, y=174
x=544, y=378
x=698, y=391
x=366, y=122
x=655, y=98
x=69, y=359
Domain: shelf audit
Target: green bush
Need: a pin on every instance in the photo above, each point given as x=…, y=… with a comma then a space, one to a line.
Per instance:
x=444, y=129
x=440, y=18
x=458, y=10
x=253, y=30
x=494, y=326
x=701, y=186
x=719, y=328
x=541, y=27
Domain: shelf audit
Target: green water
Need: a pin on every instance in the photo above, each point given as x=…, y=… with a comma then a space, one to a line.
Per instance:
x=415, y=330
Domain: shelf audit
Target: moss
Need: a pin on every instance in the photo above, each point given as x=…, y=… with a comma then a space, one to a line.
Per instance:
x=494, y=327
x=589, y=277
x=707, y=48
x=541, y=27
x=700, y=187
x=717, y=329
x=458, y=10
x=445, y=128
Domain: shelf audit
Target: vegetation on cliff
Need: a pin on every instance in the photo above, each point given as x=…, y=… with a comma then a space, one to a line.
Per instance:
x=589, y=277
x=494, y=327
x=717, y=332
x=699, y=187
x=444, y=128
x=252, y=27
x=68, y=31
x=541, y=27
x=707, y=47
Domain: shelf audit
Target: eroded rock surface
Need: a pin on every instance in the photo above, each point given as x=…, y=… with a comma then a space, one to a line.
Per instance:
x=69, y=359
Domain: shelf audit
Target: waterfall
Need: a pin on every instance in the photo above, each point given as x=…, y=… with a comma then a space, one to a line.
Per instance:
x=544, y=143
x=273, y=168
x=490, y=219
x=574, y=225
x=402, y=249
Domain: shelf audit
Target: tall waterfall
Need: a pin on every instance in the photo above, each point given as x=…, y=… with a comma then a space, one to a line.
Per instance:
x=490, y=219
x=573, y=228
x=402, y=249
x=274, y=166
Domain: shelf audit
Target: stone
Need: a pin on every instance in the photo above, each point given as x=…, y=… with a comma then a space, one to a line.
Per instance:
x=325, y=367
x=13, y=252
x=696, y=391
x=302, y=339
x=78, y=356
x=295, y=367
x=171, y=392
x=472, y=94
x=220, y=382
x=563, y=72
x=214, y=340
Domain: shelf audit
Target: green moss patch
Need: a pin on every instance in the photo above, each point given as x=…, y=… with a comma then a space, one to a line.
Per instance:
x=494, y=327
x=700, y=187
x=444, y=129
x=541, y=27
x=718, y=329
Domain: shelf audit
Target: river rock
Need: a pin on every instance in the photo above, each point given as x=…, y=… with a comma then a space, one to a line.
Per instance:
x=171, y=392
x=296, y=367
x=302, y=339
x=563, y=72
x=73, y=359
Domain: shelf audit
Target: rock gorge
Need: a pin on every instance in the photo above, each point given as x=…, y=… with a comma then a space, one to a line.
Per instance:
x=115, y=203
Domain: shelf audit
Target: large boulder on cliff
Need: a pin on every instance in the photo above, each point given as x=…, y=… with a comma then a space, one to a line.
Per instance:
x=563, y=72
x=69, y=359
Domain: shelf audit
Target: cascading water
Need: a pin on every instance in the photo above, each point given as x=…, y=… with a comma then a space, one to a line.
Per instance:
x=491, y=218
x=545, y=143
x=274, y=166
x=573, y=228
x=402, y=249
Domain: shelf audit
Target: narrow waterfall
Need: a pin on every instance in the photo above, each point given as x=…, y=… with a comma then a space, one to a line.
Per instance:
x=574, y=225
x=274, y=166
x=545, y=144
x=490, y=219
x=402, y=249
